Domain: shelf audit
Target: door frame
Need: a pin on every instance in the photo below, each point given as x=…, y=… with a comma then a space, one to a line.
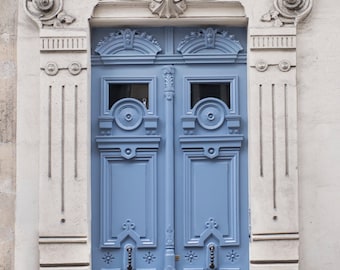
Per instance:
x=272, y=125
x=229, y=71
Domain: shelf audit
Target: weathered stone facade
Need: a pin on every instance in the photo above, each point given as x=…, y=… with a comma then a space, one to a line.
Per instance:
x=8, y=29
x=295, y=229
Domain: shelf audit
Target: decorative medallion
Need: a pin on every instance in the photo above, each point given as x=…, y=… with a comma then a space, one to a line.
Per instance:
x=210, y=113
x=232, y=256
x=168, y=8
x=74, y=68
x=284, y=65
x=149, y=257
x=48, y=12
x=51, y=69
x=288, y=11
x=261, y=66
x=191, y=256
x=128, y=113
x=108, y=258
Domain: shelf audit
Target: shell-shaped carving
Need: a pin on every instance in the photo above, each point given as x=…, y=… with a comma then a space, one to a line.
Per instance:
x=125, y=40
x=212, y=39
x=168, y=8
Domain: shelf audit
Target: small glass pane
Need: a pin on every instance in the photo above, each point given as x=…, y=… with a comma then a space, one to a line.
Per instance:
x=220, y=90
x=138, y=91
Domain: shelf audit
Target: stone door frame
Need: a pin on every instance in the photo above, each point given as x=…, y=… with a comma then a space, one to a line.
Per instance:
x=58, y=143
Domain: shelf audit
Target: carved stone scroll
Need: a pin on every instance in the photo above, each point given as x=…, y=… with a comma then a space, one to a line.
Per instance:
x=288, y=11
x=48, y=12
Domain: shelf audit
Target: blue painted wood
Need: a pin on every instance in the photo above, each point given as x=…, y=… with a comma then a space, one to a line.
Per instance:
x=169, y=93
x=169, y=182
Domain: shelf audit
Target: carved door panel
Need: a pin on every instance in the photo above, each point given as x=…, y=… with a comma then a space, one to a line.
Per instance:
x=169, y=166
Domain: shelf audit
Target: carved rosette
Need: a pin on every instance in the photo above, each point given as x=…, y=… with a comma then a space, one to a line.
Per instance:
x=288, y=11
x=168, y=8
x=48, y=12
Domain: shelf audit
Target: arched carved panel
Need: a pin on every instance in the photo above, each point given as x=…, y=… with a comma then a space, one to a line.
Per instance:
x=210, y=43
x=128, y=43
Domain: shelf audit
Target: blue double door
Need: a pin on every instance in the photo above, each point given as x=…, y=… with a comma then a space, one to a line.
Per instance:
x=169, y=166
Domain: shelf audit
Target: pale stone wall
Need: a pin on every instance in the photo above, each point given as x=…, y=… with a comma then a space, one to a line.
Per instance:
x=318, y=130
x=319, y=136
x=8, y=23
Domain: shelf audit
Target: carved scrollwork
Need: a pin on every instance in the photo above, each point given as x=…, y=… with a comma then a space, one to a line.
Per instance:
x=288, y=11
x=168, y=8
x=128, y=40
x=48, y=12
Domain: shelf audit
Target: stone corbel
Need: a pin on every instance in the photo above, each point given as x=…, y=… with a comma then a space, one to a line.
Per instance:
x=288, y=12
x=48, y=13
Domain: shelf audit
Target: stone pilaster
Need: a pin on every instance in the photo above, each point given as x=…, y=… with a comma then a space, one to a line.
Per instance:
x=64, y=154
x=273, y=149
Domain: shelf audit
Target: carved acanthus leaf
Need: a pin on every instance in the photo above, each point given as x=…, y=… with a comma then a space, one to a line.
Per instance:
x=48, y=12
x=168, y=8
x=288, y=12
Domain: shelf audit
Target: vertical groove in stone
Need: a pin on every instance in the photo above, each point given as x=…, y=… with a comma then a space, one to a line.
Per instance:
x=63, y=149
x=286, y=132
x=49, y=132
x=260, y=130
x=274, y=146
x=76, y=131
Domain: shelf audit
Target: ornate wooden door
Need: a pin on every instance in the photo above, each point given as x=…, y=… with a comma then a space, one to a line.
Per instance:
x=169, y=150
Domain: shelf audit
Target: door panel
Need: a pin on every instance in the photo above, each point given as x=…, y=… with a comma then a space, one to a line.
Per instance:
x=169, y=167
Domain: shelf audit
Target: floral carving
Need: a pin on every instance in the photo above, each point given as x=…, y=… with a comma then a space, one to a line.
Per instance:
x=232, y=256
x=288, y=11
x=168, y=8
x=149, y=257
x=48, y=12
x=169, y=78
x=191, y=256
x=108, y=257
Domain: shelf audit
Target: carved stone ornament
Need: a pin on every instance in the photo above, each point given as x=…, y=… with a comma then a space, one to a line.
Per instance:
x=128, y=40
x=48, y=12
x=168, y=8
x=51, y=68
x=288, y=12
x=261, y=66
